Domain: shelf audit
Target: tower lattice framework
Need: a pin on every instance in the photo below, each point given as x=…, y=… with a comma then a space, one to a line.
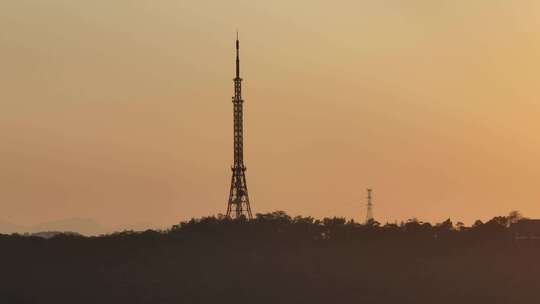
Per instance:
x=238, y=205
x=369, y=211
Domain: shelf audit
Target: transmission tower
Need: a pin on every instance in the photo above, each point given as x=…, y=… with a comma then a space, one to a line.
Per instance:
x=369, y=212
x=238, y=205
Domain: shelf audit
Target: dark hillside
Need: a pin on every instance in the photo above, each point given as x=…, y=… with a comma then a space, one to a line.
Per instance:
x=275, y=259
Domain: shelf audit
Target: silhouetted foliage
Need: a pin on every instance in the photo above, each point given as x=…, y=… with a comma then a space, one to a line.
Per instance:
x=276, y=258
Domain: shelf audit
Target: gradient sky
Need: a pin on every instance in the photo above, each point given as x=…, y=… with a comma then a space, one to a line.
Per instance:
x=121, y=110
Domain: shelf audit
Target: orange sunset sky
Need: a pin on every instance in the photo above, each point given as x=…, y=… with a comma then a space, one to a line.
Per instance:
x=120, y=111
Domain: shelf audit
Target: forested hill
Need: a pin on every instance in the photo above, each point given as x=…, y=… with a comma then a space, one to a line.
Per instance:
x=276, y=259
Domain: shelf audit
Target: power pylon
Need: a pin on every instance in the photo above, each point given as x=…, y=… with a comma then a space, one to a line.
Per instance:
x=369, y=212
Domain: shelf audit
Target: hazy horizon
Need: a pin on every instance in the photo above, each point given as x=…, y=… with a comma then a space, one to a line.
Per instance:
x=121, y=112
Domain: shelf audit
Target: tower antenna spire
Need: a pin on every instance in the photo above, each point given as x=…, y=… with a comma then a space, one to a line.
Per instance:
x=237, y=56
x=238, y=205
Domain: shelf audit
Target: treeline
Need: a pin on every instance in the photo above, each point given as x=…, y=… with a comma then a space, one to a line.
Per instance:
x=284, y=227
x=275, y=258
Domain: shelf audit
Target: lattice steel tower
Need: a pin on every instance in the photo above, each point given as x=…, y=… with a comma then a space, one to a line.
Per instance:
x=369, y=212
x=238, y=204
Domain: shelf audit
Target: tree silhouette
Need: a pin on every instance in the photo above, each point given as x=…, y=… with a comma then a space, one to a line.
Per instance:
x=275, y=258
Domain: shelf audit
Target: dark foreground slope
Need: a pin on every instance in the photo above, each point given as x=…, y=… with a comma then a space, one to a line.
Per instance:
x=275, y=259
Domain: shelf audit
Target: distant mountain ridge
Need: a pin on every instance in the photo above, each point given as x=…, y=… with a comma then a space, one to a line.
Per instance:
x=51, y=234
x=7, y=227
x=83, y=226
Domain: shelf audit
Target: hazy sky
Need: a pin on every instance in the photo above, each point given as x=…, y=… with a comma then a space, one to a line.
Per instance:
x=121, y=110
